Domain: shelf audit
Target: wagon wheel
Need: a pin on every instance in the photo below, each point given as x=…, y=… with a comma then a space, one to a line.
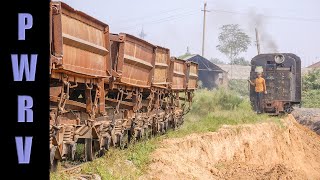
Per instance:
x=166, y=125
x=72, y=152
x=155, y=126
x=102, y=149
x=53, y=161
x=90, y=148
x=147, y=133
x=162, y=127
x=107, y=143
x=175, y=123
x=124, y=140
x=182, y=120
x=141, y=133
x=101, y=152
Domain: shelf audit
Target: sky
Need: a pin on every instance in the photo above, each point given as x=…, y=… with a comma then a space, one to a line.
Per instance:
x=285, y=26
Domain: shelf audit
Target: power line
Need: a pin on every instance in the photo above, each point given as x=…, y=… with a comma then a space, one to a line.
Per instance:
x=178, y=16
x=163, y=19
x=267, y=16
x=169, y=18
x=147, y=16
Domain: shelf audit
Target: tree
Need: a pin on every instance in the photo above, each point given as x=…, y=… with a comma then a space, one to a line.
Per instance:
x=233, y=41
x=216, y=61
x=240, y=61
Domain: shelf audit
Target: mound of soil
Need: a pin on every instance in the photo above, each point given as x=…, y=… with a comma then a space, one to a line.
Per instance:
x=259, y=151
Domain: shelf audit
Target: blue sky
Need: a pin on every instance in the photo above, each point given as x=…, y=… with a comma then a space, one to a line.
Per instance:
x=285, y=25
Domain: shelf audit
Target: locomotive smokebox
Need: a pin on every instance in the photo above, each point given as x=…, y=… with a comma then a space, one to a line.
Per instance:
x=279, y=58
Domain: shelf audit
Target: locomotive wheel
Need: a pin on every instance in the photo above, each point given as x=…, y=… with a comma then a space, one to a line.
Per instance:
x=90, y=149
x=53, y=161
x=288, y=109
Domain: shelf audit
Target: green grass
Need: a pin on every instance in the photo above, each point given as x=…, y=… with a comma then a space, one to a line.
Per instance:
x=214, y=120
x=210, y=110
x=129, y=163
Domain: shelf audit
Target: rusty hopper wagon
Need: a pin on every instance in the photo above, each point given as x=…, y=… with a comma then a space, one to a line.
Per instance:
x=133, y=60
x=107, y=90
x=161, y=70
x=192, y=77
x=282, y=73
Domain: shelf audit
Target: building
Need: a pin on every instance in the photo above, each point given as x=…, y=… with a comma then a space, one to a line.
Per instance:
x=236, y=71
x=210, y=75
x=315, y=65
x=306, y=70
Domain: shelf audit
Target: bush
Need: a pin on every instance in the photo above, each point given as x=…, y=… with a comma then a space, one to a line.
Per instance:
x=311, y=99
x=239, y=86
x=206, y=101
x=311, y=89
x=311, y=81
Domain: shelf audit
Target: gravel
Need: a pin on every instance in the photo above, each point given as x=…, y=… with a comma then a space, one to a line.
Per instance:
x=309, y=117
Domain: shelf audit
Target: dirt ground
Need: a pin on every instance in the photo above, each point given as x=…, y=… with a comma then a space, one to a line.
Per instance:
x=260, y=151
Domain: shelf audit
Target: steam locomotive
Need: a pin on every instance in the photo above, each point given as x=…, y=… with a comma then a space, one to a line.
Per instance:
x=110, y=89
x=282, y=74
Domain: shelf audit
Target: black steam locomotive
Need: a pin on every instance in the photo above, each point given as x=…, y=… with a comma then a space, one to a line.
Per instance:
x=282, y=74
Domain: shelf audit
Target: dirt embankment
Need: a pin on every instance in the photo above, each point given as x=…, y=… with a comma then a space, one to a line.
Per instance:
x=260, y=151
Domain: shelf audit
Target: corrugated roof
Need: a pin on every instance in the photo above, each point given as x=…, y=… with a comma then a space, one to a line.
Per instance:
x=204, y=64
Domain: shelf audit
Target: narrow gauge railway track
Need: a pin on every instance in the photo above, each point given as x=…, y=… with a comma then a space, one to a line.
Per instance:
x=76, y=169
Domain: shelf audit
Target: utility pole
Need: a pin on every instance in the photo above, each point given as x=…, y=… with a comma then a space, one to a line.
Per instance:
x=204, y=26
x=257, y=40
